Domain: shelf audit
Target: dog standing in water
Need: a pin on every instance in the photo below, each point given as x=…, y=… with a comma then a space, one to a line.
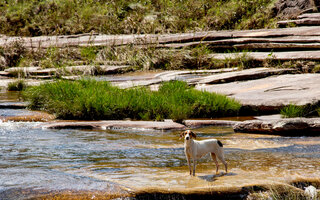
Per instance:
x=195, y=149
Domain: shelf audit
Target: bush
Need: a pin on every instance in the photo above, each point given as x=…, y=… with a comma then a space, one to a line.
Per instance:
x=93, y=100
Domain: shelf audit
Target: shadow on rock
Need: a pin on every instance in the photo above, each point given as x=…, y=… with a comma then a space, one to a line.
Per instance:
x=212, y=178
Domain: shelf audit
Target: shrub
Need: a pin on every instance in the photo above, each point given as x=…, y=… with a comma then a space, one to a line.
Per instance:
x=90, y=99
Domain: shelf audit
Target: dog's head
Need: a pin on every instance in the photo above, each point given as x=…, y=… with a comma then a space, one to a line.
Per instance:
x=187, y=135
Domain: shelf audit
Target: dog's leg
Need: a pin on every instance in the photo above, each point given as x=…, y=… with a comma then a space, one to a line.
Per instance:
x=221, y=157
x=189, y=164
x=214, y=158
x=194, y=166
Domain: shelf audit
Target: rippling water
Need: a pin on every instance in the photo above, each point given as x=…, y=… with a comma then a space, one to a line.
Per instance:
x=31, y=157
x=80, y=159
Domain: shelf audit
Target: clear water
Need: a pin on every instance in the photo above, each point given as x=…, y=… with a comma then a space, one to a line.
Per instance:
x=80, y=159
x=32, y=157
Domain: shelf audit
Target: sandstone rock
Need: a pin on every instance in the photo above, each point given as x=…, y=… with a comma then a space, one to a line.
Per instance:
x=23, y=69
x=265, y=56
x=92, y=69
x=249, y=74
x=116, y=40
x=292, y=126
x=309, y=15
x=114, y=124
x=272, y=92
x=299, y=22
x=14, y=105
x=253, y=42
x=201, y=123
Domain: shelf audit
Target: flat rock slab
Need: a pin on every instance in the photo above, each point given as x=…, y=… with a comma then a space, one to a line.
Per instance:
x=263, y=56
x=114, y=124
x=114, y=40
x=255, y=73
x=13, y=105
x=290, y=126
x=271, y=92
x=201, y=123
x=30, y=82
x=103, y=69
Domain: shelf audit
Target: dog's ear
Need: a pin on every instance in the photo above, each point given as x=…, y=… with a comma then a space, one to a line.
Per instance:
x=182, y=135
x=193, y=135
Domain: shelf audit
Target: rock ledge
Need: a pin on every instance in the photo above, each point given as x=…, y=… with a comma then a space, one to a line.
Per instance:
x=292, y=126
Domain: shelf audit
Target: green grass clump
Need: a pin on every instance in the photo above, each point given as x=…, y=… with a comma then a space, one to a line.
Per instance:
x=291, y=111
x=93, y=100
x=18, y=85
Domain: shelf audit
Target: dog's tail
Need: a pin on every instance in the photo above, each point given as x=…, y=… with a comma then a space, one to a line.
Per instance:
x=219, y=143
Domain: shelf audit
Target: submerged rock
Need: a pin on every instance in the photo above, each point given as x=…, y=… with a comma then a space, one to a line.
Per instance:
x=201, y=123
x=113, y=124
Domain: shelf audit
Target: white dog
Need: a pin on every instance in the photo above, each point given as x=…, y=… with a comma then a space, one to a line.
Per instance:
x=196, y=149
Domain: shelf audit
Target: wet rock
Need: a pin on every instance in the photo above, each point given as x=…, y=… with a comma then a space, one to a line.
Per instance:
x=114, y=191
x=14, y=105
x=292, y=126
x=31, y=116
x=114, y=124
x=201, y=123
x=271, y=93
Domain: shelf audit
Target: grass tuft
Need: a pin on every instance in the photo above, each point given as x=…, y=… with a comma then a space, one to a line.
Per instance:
x=18, y=85
x=93, y=100
x=291, y=111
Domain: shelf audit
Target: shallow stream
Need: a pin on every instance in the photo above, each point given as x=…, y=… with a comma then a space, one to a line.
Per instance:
x=31, y=157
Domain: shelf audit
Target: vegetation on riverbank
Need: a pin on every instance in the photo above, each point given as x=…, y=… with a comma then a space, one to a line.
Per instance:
x=139, y=58
x=48, y=17
x=292, y=110
x=93, y=100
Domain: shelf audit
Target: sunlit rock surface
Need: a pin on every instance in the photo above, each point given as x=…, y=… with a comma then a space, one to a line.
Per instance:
x=290, y=126
x=114, y=124
x=274, y=91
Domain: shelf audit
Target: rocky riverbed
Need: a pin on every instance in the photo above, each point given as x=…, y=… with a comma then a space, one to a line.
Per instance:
x=42, y=157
